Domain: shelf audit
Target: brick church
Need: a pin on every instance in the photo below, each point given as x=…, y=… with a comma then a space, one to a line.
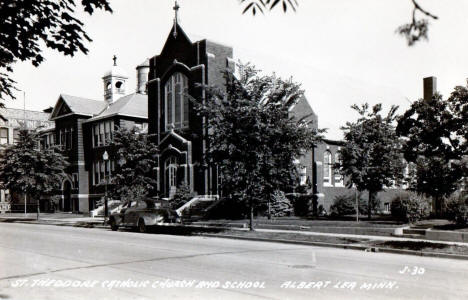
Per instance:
x=160, y=107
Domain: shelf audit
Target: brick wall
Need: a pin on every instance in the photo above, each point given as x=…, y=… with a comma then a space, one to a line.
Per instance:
x=219, y=63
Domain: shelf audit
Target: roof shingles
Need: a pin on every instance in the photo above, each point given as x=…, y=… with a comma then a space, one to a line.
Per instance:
x=134, y=105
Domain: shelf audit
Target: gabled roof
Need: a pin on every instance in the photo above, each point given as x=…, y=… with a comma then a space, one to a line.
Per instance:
x=78, y=106
x=133, y=105
x=181, y=38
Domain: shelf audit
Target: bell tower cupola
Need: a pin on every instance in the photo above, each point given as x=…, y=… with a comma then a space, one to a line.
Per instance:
x=115, y=81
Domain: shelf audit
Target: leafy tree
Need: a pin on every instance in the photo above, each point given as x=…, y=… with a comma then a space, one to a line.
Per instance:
x=414, y=31
x=29, y=170
x=280, y=204
x=435, y=136
x=136, y=162
x=261, y=5
x=371, y=158
x=252, y=137
x=417, y=29
x=27, y=26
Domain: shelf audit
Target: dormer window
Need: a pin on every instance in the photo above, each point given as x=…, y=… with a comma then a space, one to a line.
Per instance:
x=176, y=102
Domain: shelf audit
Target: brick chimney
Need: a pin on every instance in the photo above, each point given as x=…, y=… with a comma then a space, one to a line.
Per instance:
x=430, y=87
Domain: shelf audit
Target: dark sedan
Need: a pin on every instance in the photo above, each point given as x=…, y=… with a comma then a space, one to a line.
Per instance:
x=143, y=213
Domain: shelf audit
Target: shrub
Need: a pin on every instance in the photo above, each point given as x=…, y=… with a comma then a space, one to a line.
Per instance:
x=300, y=203
x=410, y=207
x=321, y=211
x=280, y=205
x=182, y=196
x=396, y=209
x=346, y=205
x=457, y=208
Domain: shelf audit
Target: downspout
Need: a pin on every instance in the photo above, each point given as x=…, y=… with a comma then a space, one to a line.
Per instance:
x=204, y=127
x=314, y=184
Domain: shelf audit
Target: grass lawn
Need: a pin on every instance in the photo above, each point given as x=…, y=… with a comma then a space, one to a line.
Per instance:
x=294, y=237
x=454, y=227
x=407, y=245
x=295, y=221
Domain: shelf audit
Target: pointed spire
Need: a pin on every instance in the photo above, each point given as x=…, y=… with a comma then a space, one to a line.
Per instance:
x=176, y=11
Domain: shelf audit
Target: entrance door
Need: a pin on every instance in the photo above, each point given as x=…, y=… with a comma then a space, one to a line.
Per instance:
x=67, y=196
x=171, y=175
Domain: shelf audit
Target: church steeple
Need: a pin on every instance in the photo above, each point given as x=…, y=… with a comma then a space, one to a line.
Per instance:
x=176, y=11
x=114, y=82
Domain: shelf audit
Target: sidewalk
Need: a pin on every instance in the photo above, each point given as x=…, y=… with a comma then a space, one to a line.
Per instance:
x=79, y=219
x=372, y=243
x=59, y=217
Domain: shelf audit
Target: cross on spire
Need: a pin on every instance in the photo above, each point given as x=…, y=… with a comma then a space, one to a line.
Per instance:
x=176, y=11
x=115, y=60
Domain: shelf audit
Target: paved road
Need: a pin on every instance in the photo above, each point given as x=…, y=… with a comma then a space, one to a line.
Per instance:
x=39, y=261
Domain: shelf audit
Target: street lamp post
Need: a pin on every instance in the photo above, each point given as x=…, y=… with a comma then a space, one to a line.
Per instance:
x=357, y=205
x=105, y=157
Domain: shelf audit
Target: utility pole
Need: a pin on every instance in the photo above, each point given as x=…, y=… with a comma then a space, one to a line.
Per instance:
x=357, y=205
x=105, y=158
x=24, y=124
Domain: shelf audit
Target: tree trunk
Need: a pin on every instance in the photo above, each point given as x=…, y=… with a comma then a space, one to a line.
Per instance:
x=251, y=216
x=269, y=208
x=38, y=209
x=369, y=206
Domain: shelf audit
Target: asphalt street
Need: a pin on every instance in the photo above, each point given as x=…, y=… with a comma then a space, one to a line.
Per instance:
x=53, y=262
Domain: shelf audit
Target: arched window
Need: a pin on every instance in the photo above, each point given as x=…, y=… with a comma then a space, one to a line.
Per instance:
x=327, y=168
x=176, y=101
x=339, y=181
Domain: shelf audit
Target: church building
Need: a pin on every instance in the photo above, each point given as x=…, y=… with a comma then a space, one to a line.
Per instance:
x=184, y=67
x=161, y=106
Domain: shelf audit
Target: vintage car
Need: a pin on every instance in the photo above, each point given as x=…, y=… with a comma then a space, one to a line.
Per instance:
x=142, y=213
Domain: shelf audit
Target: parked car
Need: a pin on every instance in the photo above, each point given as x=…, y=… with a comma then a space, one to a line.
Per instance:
x=143, y=213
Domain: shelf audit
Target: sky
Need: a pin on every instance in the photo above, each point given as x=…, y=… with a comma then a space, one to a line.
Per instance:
x=342, y=51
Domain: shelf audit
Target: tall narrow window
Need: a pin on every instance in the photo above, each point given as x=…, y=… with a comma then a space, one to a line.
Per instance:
x=15, y=136
x=96, y=173
x=52, y=139
x=62, y=138
x=96, y=135
x=107, y=132
x=108, y=169
x=68, y=138
x=111, y=129
x=176, y=101
x=101, y=134
x=75, y=180
x=327, y=168
x=3, y=136
x=336, y=171
x=102, y=173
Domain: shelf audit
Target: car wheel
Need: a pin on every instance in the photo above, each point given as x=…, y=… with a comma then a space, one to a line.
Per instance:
x=141, y=226
x=113, y=225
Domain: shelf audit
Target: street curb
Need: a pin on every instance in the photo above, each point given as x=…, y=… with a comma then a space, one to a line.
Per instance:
x=85, y=225
x=342, y=246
